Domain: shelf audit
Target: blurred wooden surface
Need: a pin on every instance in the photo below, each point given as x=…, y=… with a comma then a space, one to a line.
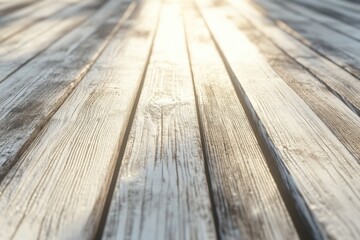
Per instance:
x=179, y=119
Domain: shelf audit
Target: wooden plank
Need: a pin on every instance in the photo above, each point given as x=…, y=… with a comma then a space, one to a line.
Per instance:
x=341, y=49
x=58, y=188
x=245, y=194
x=342, y=84
x=14, y=23
x=318, y=170
x=18, y=50
x=343, y=122
x=293, y=8
x=329, y=9
x=32, y=94
x=161, y=191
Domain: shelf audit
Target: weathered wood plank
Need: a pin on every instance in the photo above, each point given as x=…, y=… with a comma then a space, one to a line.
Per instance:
x=340, y=49
x=31, y=95
x=161, y=191
x=343, y=122
x=58, y=188
x=247, y=200
x=319, y=171
x=21, y=48
x=342, y=84
x=327, y=8
x=14, y=23
x=293, y=8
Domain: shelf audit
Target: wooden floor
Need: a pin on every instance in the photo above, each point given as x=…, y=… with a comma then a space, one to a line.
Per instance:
x=179, y=119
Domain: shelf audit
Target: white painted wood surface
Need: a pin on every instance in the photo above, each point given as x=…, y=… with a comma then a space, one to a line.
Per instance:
x=71, y=162
x=88, y=151
x=344, y=123
x=19, y=49
x=14, y=23
x=29, y=97
x=337, y=47
x=310, y=157
x=340, y=82
x=244, y=191
x=291, y=7
x=161, y=192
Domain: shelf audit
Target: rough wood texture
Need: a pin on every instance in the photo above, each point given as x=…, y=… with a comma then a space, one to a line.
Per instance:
x=24, y=97
x=19, y=49
x=71, y=162
x=244, y=190
x=294, y=8
x=161, y=191
x=345, y=86
x=343, y=122
x=335, y=46
x=310, y=157
x=21, y=20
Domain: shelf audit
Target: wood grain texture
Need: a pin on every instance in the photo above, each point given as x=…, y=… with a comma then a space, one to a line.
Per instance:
x=318, y=170
x=31, y=95
x=344, y=123
x=247, y=200
x=161, y=191
x=21, y=48
x=20, y=20
x=58, y=188
x=292, y=7
x=330, y=9
x=335, y=46
x=342, y=84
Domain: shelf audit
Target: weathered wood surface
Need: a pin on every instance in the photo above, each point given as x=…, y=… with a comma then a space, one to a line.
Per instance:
x=24, y=96
x=76, y=151
x=161, y=190
x=21, y=48
x=20, y=20
x=313, y=162
x=151, y=119
x=331, y=21
x=244, y=191
x=343, y=122
x=337, y=47
x=345, y=86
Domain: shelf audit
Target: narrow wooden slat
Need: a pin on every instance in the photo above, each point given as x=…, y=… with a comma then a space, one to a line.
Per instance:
x=30, y=96
x=21, y=20
x=16, y=51
x=58, y=188
x=329, y=9
x=247, y=200
x=292, y=8
x=161, y=191
x=319, y=171
x=343, y=122
x=340, y=49
x=341, y=83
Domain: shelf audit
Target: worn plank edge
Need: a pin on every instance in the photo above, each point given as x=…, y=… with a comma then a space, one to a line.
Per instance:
x=305, y=222
x=57, y=105
x=202, y=138
x=110, y=192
